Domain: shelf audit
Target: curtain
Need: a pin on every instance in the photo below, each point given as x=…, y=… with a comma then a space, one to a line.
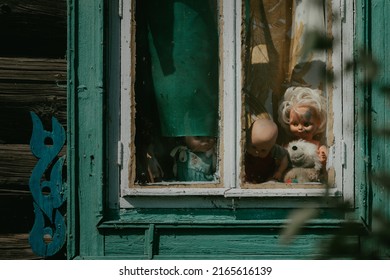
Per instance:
x=277, y=51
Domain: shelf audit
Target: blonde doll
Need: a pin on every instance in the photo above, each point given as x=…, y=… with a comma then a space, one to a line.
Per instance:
x=303, y=115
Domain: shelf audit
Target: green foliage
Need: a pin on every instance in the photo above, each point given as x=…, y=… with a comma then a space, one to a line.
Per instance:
x=374, y=237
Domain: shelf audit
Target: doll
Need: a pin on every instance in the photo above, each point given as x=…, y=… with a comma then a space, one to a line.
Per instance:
x=303, y=115
x=264, y=159
x=196, y=161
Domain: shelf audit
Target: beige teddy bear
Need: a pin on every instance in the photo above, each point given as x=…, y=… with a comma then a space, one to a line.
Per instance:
x=306, y=165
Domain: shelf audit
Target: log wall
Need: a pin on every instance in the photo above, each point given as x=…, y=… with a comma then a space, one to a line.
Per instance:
x=32, y=78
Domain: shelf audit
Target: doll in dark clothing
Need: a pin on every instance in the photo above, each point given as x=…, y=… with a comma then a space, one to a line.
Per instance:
x=264, y=159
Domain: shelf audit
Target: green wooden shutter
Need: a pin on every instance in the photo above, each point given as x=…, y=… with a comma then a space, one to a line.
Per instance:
x=86, y=94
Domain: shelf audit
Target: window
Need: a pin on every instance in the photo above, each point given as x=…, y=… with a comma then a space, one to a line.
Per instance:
x=195, y=70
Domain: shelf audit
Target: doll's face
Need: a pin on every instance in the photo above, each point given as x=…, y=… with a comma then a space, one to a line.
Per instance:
x=199, y=143
x=303, y=123
x=260, y=149
x=263, y=136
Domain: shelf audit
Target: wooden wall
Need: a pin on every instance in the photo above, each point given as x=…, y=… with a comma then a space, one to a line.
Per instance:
x=32, y=78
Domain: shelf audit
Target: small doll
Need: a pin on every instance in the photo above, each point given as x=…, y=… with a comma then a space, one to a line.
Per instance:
x=303, y=114
x=196, y=161
x=264, y=159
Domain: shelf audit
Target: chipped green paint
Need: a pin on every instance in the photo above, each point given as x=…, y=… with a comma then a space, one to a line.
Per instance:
x=380, y=120
x=85, y=128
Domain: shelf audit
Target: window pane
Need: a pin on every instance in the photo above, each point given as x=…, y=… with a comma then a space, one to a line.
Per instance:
x=285, y=92
x=176, y=90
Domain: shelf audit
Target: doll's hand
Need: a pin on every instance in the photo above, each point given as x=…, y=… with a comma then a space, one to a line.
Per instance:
x=277, y=176
x=323, y=154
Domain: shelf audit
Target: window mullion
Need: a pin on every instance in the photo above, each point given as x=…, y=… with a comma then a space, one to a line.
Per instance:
x=238, y=89
x=127, y=105
x=347, y=29
x=229, y=71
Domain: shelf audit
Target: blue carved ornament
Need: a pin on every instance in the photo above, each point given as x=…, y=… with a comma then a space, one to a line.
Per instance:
x=48, y=234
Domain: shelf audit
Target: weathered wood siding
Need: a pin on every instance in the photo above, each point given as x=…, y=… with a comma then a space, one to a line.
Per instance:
x=379, y=92
x=33, y=28
x=32, y=78
x=15, y=247
x=186, y=242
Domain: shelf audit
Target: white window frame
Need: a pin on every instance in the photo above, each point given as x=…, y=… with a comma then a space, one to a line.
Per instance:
x=227, y=192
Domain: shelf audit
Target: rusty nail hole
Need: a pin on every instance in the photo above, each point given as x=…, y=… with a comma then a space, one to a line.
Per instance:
x=47, y=238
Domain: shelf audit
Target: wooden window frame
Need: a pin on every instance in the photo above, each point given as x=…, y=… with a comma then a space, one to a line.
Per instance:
x=120, y=148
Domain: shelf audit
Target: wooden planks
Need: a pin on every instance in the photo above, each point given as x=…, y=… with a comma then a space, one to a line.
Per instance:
x=32, y=78
x=16, y=247
x=16, y=164
x=33, y=28
x=30, y=84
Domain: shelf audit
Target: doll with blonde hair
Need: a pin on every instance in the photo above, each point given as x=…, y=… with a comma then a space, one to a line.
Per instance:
x=303, y=114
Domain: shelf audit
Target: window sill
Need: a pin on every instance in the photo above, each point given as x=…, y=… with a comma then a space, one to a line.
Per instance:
x=258, y=190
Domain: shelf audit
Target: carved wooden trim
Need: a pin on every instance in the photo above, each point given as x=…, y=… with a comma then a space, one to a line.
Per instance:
x=48, y=234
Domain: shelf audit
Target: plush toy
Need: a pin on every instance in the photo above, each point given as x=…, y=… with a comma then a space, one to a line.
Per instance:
x=305, y=161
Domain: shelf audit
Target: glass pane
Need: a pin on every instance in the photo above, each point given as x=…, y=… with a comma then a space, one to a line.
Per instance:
x=176, y=90
x=285, y=91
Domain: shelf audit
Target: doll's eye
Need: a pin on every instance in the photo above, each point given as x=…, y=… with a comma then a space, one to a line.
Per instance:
x=307, y=124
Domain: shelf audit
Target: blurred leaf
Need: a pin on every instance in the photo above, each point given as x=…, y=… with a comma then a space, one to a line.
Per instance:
x=298, y=218
x=382, y=179
x=382, y=132
x=343, y=206
x=316, y=40
x=342, y=245
x=381, y=229
x=329, y=76
x=385, y=89
x=350, y=65
x=369, y=64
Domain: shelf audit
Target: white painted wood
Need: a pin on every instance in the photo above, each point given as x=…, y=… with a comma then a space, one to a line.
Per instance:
x=230, y=88
x=342, y=10
x=348, y=101
x=126, y=136
x=336, y=101
x=224, y=198
x=120, y=154
x=168, y=191
x=120, y=8
x=341, y=156
x=281, y=192
x=238, y=89
x=273, y=191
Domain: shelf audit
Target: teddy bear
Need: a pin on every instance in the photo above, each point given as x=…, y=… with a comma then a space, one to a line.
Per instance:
x=306, y=164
